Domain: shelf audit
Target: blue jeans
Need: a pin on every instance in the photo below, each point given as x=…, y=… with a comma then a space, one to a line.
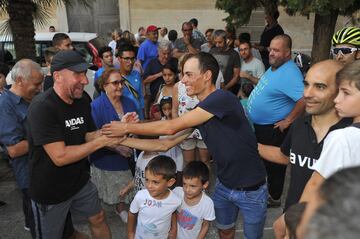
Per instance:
x=252, y=205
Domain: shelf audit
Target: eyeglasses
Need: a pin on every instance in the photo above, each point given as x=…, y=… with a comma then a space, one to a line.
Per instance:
x=128, y=58
x=116, y=82
x=344, y=50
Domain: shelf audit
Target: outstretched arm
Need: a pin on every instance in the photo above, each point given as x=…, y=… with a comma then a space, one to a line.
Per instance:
x=157, y=145
x=272, y=154
x=190, y=119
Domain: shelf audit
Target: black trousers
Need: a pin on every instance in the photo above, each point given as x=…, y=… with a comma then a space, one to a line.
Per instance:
x=28, y=213
x=266, y=134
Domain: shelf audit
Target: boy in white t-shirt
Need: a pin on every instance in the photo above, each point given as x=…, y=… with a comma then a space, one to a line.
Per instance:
x=153, y=208
x=197, y=209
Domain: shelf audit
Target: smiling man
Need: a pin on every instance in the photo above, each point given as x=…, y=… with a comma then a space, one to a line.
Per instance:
x=346, y=44
x=304, y=141
x=221, y=120
x=61, y=136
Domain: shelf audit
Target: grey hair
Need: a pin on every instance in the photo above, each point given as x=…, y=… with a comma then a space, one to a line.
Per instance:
x=220, y=33
x=23, y=69
x=164, y=45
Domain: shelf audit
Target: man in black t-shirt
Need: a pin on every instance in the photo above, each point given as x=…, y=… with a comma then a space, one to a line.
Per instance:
x=303, y=143
x=61, y=136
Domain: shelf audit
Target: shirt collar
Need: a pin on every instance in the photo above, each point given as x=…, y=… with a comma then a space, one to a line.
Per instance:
x=13, y=97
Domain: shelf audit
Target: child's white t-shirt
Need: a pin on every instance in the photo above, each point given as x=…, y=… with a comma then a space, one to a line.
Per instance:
x=154, y=216
x=141, y=162
x=190, y=218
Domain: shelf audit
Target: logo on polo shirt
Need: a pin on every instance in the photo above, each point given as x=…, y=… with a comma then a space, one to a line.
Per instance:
x=302, y=161
x=74, y=122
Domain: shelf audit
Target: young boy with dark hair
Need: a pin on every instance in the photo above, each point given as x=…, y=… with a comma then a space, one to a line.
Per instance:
x=154, y=206
x=197, y=209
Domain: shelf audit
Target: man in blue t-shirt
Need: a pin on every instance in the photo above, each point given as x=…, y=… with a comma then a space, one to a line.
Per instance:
x=241, y=183
x=133, y=81
x=274, y=104
x=148, y=49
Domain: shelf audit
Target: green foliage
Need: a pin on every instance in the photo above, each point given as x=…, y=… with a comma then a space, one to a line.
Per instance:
x=240, y=10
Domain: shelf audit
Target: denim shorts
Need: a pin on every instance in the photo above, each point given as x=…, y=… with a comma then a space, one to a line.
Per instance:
x=252, y=206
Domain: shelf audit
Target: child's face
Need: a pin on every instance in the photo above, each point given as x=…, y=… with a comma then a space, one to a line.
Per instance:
x=169, y=77
x=347, y=100
x=193, y=187
x=157, y=185
x=166, y=110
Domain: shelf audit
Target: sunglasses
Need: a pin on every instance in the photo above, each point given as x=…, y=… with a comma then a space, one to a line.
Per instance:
x=116, y=83
x=343, y=50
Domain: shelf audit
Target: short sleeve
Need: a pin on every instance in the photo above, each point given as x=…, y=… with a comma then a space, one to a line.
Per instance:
x=333, y=154
x=141, y=53
x=209, y=213
x=11, y=131
x=286, y=145
x=220, y=103
x=135, y=205
x=294, y=86
x=236, y=58
x=44, y=130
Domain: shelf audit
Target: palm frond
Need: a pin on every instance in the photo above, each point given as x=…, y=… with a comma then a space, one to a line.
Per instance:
x=41, y=15
x=5, y=30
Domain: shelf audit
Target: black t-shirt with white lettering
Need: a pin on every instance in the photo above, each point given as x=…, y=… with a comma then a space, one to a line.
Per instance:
x=303, y=150
x=52, y=120
x=231, y=141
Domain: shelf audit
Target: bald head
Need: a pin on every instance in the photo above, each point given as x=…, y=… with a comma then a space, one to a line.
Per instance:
x=326, y=69
x=320, y=87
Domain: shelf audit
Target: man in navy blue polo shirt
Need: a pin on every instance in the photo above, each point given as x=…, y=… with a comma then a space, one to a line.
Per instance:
x=225, y=129
x=28, y=78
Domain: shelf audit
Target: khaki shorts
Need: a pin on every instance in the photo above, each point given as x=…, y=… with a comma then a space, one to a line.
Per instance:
x=190, y=144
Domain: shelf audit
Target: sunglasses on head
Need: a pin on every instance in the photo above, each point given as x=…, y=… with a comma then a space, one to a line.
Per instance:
x=344, y=50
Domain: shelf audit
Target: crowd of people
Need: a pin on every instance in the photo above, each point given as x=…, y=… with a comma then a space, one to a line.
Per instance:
x=163, y=112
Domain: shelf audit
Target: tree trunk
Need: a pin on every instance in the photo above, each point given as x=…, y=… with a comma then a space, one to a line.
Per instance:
x=324, y=27
x=22, y=27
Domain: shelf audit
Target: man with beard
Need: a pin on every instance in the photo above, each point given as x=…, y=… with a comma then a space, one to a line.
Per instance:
x=61, y=135
x=303, y=143
x=274, y=104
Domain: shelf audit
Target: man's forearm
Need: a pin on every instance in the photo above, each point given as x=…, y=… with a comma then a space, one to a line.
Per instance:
x=273, y=154
x=232, y=82
x=298, y=109
x=157, y=145
x=18, y=149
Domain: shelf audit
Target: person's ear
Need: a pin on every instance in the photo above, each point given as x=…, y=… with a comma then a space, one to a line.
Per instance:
x=357, y=55
x=171, y=182
x=205, y=185
x=208, y=75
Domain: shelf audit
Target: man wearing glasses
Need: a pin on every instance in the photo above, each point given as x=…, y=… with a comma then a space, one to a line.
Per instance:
x=186, y=44
x=346, y=44
x=133, y=81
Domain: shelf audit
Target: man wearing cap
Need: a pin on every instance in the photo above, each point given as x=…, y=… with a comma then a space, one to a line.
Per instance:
x=186, y=43
x=61, y=136
x=148, y=49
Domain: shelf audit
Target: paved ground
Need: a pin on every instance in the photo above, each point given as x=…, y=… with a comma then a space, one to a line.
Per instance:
x=11, y=217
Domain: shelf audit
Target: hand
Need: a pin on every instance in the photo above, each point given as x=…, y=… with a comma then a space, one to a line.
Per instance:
x=130, y=117
x=282, y=124
x=124, y=151
x=159, y=74
x=114, y=129
x=244, y=74
x=111, y=142
x=123, y=192
x=187, y=40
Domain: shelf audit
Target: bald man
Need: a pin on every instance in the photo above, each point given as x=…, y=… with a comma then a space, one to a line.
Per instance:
x=303, y=143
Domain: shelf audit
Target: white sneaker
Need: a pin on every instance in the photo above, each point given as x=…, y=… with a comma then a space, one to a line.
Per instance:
x=124, y=216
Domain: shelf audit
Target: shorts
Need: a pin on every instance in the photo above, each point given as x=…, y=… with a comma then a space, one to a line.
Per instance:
x=251, y=204
x=109, y=183
x=50, y=219
x=190, y=144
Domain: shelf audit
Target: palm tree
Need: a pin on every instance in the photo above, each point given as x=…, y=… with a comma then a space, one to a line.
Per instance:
x=23, y=15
